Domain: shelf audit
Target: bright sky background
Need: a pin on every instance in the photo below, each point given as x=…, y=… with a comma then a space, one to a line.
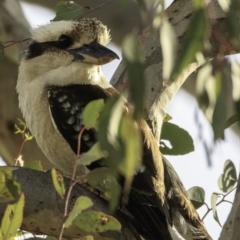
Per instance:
x=192, y=168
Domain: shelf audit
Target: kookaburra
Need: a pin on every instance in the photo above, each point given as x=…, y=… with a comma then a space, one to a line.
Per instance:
x=58, y=76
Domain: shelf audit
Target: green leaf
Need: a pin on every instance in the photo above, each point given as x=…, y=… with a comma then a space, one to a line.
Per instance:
x=134, y=65
x=88, y=237
x=131, y=139
x=197, y=4
x=95, y=153
x=36, y=165
x=233, y=23
x=222, y=92
x=12, y=218
x=214, y=199
x=68, y=10
x=232, y=120
x=58, y=182
x=204, y=76
x=120, y=137
x=1, y=52
x=167, y=118
x=180, y=140
x=40, y=238
x=169, y=48
x=91, y=113
x=197, y=196
x=225, y=4
x=104, y=180
x=108, y=127
x=228, y=179
x=193, y=41
x=9, y=187
x=235, y=73
x=50, y=238
x=80, y=205
x=91, y=221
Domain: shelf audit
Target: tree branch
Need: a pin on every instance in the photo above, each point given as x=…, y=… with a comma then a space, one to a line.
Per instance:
x=43, y=210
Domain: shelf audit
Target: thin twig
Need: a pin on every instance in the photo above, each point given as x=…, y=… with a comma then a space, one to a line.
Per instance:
x=12, y=42
x=73, y=183
x=206, y=206
x=22, y=145
x=97, y=7
x=79, y=141
x=227, y=202
x=221, y=201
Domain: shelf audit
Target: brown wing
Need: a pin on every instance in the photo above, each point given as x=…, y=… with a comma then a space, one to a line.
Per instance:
x=185, y=216
x=146, y=199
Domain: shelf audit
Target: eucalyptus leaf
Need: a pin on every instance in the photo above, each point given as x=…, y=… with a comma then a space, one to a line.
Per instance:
x=228, y=179
x=68, y=10
x=92, y=221
x=214, y=199
x=95, y=153
x=169, y=48
x=12, y=218
x=180, y=140
x=36, y=165
x=58, y=182
x=131, y=139
x=197, y=196
x=81, y=204
x=108, y=130
x=91, y=113
x=104, y=180
x=88, y=237
x=233, y=23
x=134, y=65
x=235, y=118
x=9, y=187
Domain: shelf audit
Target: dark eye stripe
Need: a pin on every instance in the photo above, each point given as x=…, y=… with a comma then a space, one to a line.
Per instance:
x=36, y=49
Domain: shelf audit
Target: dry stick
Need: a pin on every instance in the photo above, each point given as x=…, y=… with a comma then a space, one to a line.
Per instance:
x=22, y=145
x=97, y=7
x=73, y=183
x=222, y=200
x=14, y=42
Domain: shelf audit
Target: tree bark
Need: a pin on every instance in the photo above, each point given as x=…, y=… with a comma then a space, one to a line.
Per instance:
x=43, y=211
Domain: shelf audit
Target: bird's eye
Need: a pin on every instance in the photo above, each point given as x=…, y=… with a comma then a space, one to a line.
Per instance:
x=65, y=41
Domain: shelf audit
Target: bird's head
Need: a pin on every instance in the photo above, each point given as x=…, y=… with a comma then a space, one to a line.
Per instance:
x=67, y=50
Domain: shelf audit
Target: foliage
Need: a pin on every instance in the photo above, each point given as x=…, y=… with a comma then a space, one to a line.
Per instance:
x=180, y=140
x=132, y=55
x=197, y=196
x=68, y=10
x=10, y=192
x=226, y=183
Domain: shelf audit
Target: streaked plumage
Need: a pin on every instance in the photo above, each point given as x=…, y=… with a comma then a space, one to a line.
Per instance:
x=59, y=75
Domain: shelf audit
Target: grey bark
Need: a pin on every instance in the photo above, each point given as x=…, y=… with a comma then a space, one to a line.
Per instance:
x=43, y=211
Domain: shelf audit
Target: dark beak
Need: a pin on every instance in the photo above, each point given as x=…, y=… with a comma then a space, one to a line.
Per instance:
x=93, y=53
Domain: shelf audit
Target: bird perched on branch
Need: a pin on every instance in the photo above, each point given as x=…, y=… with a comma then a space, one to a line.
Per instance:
x=59, y=75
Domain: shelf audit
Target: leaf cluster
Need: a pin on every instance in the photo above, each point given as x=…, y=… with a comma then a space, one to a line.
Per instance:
x=226, y=183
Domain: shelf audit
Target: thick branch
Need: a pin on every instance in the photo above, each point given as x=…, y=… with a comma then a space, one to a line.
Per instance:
x=158, y=93
x=231, y=227
x=43, y=203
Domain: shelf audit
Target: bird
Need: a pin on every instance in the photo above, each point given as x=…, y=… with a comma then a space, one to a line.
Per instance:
x=59, y=75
